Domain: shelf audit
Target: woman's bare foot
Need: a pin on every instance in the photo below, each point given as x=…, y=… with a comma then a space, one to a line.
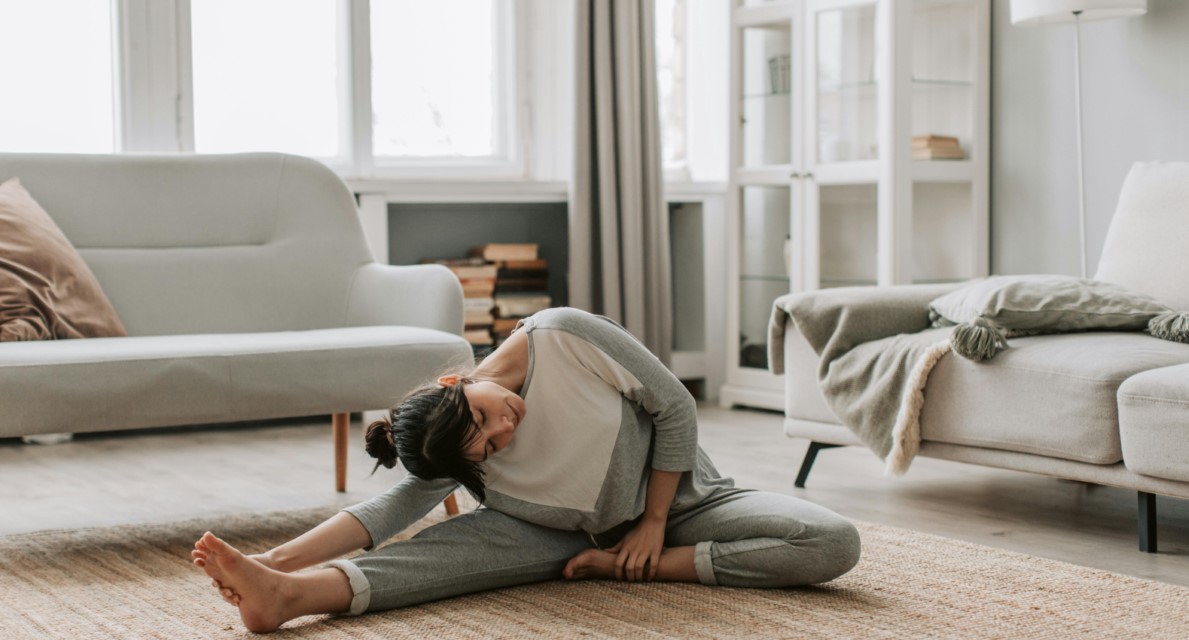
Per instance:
x=257, y=590
x=592, y=563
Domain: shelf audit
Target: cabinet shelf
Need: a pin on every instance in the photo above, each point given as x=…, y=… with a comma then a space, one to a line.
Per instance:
x=767, y=96
x=761, y=278
x=833, y=283
x=838, y=87
x=937, y=82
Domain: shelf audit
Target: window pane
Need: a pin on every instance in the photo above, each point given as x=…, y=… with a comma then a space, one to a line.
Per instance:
x=57, y=76
x=670, y=73
x=436, y=78
x=266, y=76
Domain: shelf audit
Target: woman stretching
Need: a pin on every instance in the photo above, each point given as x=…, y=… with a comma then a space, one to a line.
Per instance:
x=582, y=450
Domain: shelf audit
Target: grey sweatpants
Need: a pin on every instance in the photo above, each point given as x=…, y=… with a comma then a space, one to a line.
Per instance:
x=742, y=538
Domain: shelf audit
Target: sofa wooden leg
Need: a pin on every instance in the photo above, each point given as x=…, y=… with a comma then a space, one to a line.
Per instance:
x=341, y=425
x=451, y=503
x=1147, y=522
x=807, y=463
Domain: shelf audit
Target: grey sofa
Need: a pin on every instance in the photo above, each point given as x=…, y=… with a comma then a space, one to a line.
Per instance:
x=247, y=290
x=1102, y=407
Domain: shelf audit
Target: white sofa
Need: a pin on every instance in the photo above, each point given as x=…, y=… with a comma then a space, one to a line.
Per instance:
x=247, y=290
x=1100, y=407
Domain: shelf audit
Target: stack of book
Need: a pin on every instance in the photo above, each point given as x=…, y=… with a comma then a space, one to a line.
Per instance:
x=521, y=284
x=477, y=277
x=935, y=147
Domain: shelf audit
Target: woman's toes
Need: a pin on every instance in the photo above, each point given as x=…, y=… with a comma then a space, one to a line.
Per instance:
x=229, y=596
x=213, y=544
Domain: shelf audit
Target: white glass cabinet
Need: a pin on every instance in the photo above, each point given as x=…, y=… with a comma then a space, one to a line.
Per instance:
x=858, y=157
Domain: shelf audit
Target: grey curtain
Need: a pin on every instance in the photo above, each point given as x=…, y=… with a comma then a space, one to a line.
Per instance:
x=619, y=223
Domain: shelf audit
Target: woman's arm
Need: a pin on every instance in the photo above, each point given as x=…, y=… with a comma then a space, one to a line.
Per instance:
x=342, y=533
x=612, y=353
x=640, y=550
x=361, y=526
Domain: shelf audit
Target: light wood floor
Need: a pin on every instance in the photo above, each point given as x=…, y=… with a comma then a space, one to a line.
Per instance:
x=158, y=476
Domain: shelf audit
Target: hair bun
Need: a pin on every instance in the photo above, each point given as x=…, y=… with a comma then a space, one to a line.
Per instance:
x=380, y=444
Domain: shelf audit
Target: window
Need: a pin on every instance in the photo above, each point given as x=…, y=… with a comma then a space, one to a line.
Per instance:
x=440, y=80
x=375, y=88
x=670, y=72
x=693, y=106
x=261, y=87
x=59, y=89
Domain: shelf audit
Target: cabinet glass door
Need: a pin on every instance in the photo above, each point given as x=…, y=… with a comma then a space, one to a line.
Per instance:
x=847, y=84
x=764, y=266
x=847, y=223
x=767, y=100
x=944, y=66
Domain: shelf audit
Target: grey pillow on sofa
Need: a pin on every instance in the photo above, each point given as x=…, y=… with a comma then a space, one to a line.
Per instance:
x=991, y=310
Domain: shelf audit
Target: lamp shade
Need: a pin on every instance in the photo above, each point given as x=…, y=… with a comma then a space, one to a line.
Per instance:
x=1035, y=12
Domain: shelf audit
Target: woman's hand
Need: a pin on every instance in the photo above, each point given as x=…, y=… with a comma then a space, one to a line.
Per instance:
x=639, y=552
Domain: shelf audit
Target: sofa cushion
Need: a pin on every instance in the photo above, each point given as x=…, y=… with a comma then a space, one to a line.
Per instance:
x=46, y=290
x=1154, y=422
x=1145, y=246
x=987, y=311
x=124, y=383
x=1047, y=304
x=1052, y=395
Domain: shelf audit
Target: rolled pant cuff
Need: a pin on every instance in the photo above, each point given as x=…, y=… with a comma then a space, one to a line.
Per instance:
x=360, y=587
x=704, y=564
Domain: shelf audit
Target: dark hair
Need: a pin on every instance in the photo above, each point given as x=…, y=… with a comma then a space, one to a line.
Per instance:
x=428, y=432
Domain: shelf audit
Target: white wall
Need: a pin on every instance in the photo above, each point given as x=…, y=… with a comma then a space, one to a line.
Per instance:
x=1135, y=90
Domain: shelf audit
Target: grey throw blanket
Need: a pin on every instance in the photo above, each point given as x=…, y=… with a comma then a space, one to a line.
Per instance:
x=876, y=350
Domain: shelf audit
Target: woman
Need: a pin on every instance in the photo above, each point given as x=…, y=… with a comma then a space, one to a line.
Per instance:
x=582, y=449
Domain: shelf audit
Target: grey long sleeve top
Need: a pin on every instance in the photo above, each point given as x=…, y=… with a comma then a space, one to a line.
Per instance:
x=601, y=413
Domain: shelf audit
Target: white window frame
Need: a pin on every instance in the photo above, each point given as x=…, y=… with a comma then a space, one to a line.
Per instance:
x=155, y=97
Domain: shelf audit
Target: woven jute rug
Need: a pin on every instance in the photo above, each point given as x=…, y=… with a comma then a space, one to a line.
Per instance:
x=137, y=582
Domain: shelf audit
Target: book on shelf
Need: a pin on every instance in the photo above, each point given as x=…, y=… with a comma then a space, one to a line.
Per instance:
x=536, y=264
x=477, y=318
x=466, y=267
x=496, y=251
x=477, y=287
x=522, y=276
x=932, y=146
x=520, y=304
x=523, y=285
x=938, y=154
x=932, y=141
x=506, y=273
x=504, y=325
x=502, y=328
x=482, y=304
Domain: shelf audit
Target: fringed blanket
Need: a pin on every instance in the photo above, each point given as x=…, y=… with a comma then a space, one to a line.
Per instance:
x=876, y=350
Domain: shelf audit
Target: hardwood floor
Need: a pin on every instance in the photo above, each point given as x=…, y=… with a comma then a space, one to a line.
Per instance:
x=158, y=476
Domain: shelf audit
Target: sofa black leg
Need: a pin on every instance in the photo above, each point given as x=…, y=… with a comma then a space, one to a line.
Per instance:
x=807, y=463
x=1147, y=522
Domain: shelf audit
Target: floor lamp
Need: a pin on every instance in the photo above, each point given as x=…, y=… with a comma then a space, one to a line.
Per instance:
x=1038, y=12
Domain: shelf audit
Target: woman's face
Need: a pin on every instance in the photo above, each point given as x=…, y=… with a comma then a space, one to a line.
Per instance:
x=496, y=412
